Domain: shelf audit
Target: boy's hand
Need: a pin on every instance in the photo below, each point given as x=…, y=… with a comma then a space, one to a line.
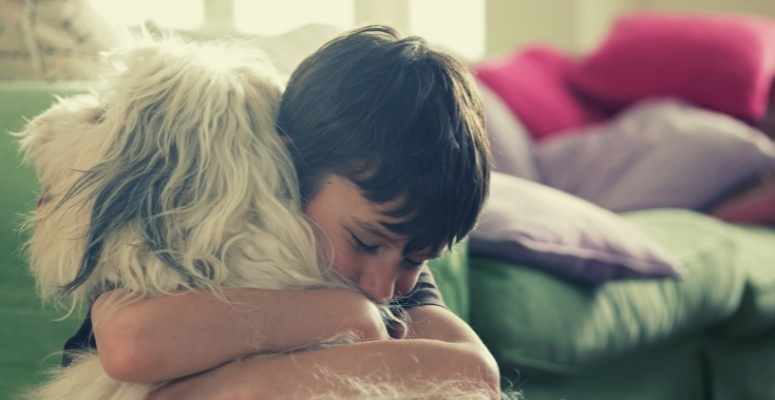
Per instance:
x=439, y=323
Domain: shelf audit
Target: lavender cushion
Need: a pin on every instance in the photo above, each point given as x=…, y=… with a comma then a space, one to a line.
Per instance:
x=512, y=146
x=657, y=154
x=526, y=222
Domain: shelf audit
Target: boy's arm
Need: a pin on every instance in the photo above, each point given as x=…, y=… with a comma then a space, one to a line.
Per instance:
x=439, y=323
x=167, y=337
x=412, y=363
x=172, y=336
x=429, y=320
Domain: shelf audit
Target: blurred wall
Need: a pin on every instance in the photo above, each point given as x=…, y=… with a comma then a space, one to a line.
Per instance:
x=578, y=25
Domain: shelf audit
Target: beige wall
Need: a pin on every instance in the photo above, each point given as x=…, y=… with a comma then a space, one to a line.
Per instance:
x=578, y=25
x=758, y=7
x=394, y=13
x=512, y=23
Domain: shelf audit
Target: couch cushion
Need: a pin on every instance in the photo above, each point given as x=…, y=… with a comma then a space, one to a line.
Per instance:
x=530, y=319
x=756, y=257
x=742, y=369
x=723, y=62
x=451, y=274
x=673, y=371
x=533, y=83
x=657, y=154
x=526, y=222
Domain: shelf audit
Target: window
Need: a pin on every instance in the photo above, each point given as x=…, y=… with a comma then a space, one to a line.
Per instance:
x=456, y=25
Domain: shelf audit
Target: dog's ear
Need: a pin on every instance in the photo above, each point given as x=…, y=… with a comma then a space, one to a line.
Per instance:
x=51, y=142
x=59, y=143
x=192, y=156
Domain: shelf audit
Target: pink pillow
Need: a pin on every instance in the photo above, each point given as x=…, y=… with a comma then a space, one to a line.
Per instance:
x=725, y=63
x=533, y=85
x=754, y=207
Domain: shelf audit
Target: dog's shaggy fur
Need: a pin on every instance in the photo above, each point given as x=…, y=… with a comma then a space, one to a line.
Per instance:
x=172, y=178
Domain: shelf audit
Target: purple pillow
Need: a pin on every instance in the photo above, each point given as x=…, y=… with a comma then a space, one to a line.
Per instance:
x=657, y=154
x=541, y=227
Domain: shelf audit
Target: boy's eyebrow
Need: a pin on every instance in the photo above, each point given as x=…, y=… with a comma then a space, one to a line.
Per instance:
x=377, y=230
x=380, y=231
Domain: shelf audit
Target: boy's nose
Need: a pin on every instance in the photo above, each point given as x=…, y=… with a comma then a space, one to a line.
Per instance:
x=379, y=283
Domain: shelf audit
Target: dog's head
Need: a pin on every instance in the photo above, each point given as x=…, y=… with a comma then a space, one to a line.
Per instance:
x=171, y=177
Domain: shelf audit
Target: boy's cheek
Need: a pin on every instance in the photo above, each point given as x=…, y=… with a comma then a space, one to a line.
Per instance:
x=345, y=263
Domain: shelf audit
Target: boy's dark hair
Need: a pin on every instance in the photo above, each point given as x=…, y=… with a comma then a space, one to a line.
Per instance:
x=401, y=121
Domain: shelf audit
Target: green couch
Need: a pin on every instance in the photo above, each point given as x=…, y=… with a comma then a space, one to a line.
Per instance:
x=709, y=335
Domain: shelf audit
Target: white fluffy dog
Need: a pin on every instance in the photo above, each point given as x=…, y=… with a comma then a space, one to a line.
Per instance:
x=171, y=178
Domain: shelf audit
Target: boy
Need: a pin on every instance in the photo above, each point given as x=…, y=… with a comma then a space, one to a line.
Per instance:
x=387, y=138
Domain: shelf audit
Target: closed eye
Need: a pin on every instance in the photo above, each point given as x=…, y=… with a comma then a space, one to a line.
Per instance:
x=411, y=264
x=362, y=246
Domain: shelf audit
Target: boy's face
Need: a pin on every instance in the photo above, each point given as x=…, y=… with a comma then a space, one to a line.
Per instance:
x=364, y=252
